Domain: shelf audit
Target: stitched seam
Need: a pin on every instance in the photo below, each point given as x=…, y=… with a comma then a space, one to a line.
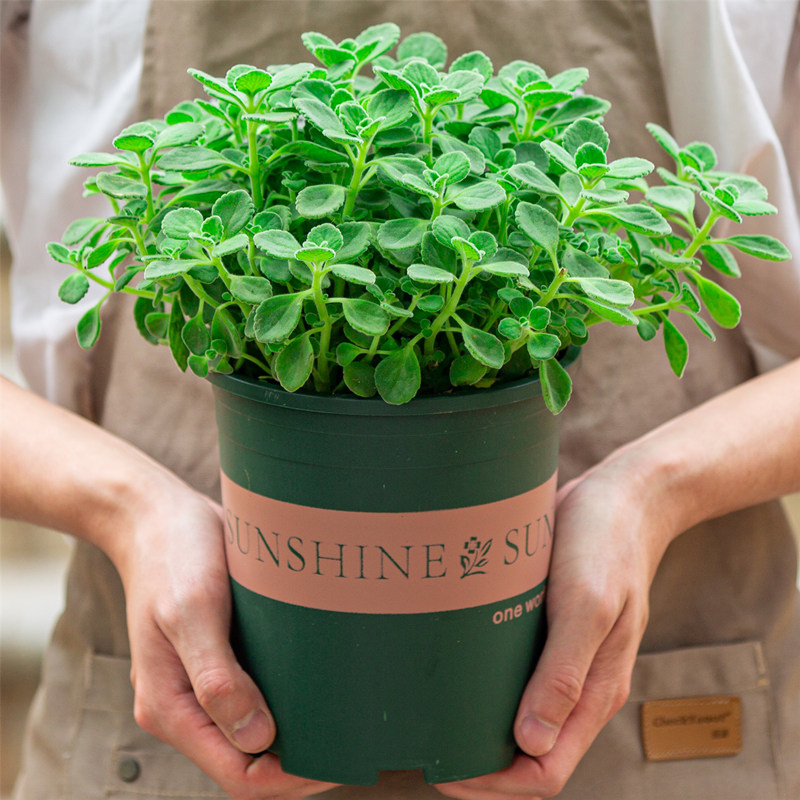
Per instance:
x=772, y=733
x=161, y=793
x=149, y=793
x=729, y=688
x=114, y=785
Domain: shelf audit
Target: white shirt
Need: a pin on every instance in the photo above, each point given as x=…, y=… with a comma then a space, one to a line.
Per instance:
x=75, y=83
x=723, y=63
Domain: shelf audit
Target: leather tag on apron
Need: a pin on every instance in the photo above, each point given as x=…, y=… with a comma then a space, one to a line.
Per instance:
x=692, y=727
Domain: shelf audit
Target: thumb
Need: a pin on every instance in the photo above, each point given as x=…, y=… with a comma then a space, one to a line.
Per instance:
x=221, y=687
x=558, y=680
x=201, y=640
x=230, y=697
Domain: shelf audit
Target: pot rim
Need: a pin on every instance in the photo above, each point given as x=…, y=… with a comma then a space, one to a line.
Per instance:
x=466, y=399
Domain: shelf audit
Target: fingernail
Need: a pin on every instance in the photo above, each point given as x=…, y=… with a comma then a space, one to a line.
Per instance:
x=255, y=732
x=537, y=736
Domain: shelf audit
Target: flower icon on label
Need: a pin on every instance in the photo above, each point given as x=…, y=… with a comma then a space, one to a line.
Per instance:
x=475, y=557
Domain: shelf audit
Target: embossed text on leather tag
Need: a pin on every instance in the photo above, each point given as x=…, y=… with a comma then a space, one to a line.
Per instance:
x=692, y=727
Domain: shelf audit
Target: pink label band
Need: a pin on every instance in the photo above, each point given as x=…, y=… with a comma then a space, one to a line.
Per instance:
x=389, y=563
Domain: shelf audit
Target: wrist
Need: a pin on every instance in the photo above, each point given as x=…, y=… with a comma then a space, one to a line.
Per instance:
x=63, y=472
x=731, y=452
x=125, y=502
x=658, y=476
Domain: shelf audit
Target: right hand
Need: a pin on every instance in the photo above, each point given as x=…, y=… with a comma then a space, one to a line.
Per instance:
x=190, y=691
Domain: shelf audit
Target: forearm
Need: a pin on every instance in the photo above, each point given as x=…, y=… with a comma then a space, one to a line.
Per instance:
x=738, y=449
x=61, y=471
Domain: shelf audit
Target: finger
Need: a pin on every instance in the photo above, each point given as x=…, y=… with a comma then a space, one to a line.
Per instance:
x=464, y=790
x=230, y=698
x=544, y=776
x=193, y=616
x=547, y=775
x=167, y=707
x=575, y=635
x=223, y=689
x=564, y=490
x=605, y=691
x=497, y=786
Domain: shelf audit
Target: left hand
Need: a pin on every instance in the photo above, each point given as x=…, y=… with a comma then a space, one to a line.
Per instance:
x=613, y=525
x=611, y=532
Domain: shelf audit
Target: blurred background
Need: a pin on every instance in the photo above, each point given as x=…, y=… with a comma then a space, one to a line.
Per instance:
x=32, y=568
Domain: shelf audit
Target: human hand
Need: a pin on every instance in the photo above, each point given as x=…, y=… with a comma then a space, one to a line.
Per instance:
x=166, y=542
x=190, y=691
x=609, y=540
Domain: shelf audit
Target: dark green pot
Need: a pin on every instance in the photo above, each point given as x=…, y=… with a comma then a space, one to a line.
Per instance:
x=388, y=566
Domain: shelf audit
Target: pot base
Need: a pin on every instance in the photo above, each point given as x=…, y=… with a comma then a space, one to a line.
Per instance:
x=436, y=692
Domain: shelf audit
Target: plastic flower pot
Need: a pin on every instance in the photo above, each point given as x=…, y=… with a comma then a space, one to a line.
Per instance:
x=388, y=567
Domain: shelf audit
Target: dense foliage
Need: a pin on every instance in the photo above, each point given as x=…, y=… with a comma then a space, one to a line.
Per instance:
x=423, y=228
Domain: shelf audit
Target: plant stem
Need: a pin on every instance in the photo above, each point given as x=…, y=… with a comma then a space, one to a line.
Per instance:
x=701, y=235
x=438, y=207
x=355, y=183
x=110, y=286
x=224, y=275
x=398, y=324
x=516, y=344
x=356, y=69
x=373, y=348
x=495, y=314
x=574, y=212
x=502, y=213
x=325, y=334
x=145, y=168
x=530, y=116
x=255, y=166
x=251, y=255
x=450, y=306
x=139, y=241
x=484, y=219
x=199, y=291
x=232, y=124
x=427, y=138
x=453, y=344
x=370, y=173
x=257, y=361
x=558, y=279
x=667, y=306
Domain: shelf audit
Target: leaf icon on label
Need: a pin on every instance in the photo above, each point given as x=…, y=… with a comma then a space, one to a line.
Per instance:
x=475, y=557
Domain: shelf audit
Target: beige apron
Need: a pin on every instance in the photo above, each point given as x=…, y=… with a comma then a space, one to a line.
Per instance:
x=724, y=617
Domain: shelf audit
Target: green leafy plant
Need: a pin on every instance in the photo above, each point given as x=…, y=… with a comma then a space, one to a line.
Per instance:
x=418, y=230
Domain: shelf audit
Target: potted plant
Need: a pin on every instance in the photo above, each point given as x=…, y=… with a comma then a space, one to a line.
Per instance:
x=386, y=277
